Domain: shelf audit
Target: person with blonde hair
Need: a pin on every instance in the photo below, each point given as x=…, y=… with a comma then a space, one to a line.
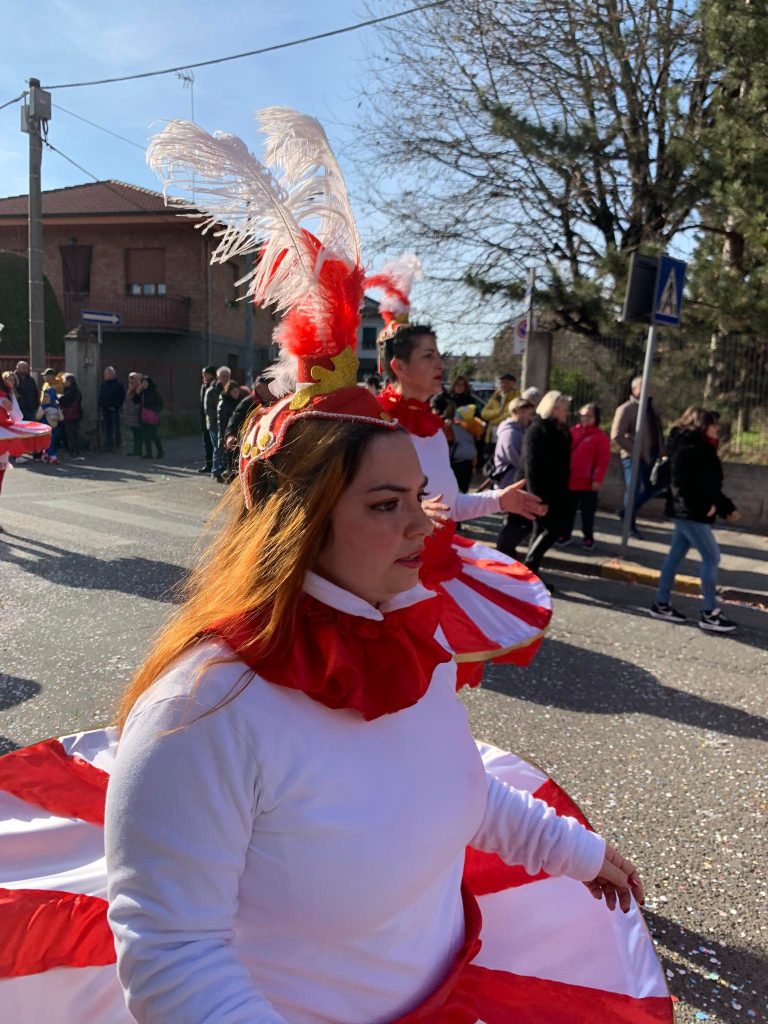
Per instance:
x=546, y=469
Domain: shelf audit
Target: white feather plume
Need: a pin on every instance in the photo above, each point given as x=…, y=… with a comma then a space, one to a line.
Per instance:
x=251, y=207
x=402, y=272
x=297, y=144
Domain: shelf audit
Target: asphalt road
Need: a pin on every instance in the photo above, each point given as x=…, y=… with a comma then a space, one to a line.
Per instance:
x=659, y=732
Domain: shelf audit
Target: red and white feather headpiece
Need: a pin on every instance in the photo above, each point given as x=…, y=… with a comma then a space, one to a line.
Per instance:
x=315, y=278
x=395, y=279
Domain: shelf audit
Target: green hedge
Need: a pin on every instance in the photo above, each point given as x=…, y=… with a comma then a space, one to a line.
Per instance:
x=14, y=309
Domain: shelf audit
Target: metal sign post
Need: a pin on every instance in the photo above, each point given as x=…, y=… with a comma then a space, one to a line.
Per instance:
x=654, y=304
x=528, y=306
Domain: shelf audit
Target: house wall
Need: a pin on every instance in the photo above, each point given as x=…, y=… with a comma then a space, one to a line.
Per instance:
x=186, y=256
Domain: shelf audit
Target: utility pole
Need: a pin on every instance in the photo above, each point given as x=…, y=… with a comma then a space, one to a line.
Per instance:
x=35, y=115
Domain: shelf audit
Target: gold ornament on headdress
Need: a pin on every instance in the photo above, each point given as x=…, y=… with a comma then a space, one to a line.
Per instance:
x=343, y=375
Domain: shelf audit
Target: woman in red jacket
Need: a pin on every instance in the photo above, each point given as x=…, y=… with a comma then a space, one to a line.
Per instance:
x=590, y=455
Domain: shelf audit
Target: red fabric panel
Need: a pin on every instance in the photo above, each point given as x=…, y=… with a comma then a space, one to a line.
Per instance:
x=46, y=776
x=487, y=872
x=516, y=570
x=499, y=997
x=531, y=614
x=44, y=929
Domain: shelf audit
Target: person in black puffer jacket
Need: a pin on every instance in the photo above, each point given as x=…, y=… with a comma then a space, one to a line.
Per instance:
x=694, y=500
x=547, y=469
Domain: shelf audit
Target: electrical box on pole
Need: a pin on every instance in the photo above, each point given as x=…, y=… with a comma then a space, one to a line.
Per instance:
x=35, y=115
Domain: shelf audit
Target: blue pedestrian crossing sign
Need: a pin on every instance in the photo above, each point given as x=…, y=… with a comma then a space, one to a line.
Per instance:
x=668, y=298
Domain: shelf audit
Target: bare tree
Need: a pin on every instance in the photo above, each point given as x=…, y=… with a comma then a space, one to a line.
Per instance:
x=499, y=134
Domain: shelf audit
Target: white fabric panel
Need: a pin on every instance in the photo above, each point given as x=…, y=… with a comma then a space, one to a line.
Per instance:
x=518, y=926
x=532, y=592
x=511, y=769
x=501, y=628
x=65, y=995
x=97, y=746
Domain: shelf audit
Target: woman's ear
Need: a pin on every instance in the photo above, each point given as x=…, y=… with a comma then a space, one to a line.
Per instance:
x=394, y=365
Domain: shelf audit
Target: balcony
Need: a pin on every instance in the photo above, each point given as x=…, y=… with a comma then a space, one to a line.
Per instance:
x=136, y=312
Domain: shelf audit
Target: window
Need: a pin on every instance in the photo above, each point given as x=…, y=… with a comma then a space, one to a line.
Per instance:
x=145, y=271
x=369, y=339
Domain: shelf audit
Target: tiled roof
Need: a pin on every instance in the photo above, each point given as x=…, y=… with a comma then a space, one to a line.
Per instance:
x=100, y=198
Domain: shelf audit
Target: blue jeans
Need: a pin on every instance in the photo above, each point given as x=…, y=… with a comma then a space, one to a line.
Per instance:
x=219, y=455
x=55, y=437
x=689, y=534
x=644, y=490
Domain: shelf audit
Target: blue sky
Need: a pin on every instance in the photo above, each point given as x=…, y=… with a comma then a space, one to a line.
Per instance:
x=60, y=41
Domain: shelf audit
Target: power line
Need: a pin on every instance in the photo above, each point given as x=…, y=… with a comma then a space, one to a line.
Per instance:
x=14, y=100
x=100, y=127
x=253, y=53
x=90, y=174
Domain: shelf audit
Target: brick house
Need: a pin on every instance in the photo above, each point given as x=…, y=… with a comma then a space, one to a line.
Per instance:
x=118, y=248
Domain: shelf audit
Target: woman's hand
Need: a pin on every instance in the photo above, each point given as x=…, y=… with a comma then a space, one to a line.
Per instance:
x=596, y=485
x=733, y=517
x=437, y=511
x=515, y=499
x=618, y=879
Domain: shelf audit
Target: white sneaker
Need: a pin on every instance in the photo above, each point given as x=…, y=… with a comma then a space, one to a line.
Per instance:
x=666, y=613
x=716, y=622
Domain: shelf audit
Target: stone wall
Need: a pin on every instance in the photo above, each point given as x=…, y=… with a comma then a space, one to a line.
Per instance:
x=745, y=484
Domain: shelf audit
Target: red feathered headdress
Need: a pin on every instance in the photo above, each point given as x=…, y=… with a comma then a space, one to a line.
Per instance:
x=396, y=281
x=314, y=278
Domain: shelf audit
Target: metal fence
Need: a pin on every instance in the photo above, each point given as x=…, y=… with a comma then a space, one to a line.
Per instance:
x=731, y=379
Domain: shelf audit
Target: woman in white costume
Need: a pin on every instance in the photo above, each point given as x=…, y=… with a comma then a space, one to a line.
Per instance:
x=494, y=608
x=295, y=786
x=17, y=436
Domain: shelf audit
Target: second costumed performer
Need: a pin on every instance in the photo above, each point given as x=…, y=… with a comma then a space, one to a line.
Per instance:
x=300, y=828
x=494, y=608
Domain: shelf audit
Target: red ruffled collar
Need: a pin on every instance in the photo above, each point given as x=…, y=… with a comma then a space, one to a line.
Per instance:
x=341, y=660
x=415, y=416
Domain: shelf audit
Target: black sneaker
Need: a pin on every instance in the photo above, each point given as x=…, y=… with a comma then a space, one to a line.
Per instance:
x=667, y=613
x=206, y=470
x=716, y=622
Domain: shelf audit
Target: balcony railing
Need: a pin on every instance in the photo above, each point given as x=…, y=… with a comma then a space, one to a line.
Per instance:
x=136, y=312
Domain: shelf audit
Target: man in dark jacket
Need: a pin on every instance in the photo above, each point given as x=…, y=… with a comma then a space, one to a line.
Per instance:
x=623, y=432
x=211, y=403
x=208, y=377
x=26, y=391
x=111, y=398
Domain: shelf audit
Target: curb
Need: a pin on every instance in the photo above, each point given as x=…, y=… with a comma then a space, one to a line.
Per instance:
x=632, y=572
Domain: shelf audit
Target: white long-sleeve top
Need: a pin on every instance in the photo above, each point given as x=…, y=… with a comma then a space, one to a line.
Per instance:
x=277, y=861
x=435, y=460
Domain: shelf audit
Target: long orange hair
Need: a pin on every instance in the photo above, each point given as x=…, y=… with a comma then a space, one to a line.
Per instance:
x=258, y=561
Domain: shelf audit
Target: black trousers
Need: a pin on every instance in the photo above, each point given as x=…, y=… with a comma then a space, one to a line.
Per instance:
x=587, y=502
x=512, y=533
x=463, y=473
x=546, y=530
x=208, y=449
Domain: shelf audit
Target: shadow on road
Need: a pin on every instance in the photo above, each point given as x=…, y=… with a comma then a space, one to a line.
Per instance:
x=575, y=679
x=738, y=972
x=636, y=599
x=14, y=690
x=134, y=575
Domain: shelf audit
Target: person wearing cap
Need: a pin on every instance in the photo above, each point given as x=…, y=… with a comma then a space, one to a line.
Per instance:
x=50, y=413
x=208, y=376
x=507, y=469
x=295, y=782
x=546, y=469
x=496, y=409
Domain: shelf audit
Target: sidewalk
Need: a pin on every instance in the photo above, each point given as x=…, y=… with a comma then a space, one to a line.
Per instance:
x=743, y=574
